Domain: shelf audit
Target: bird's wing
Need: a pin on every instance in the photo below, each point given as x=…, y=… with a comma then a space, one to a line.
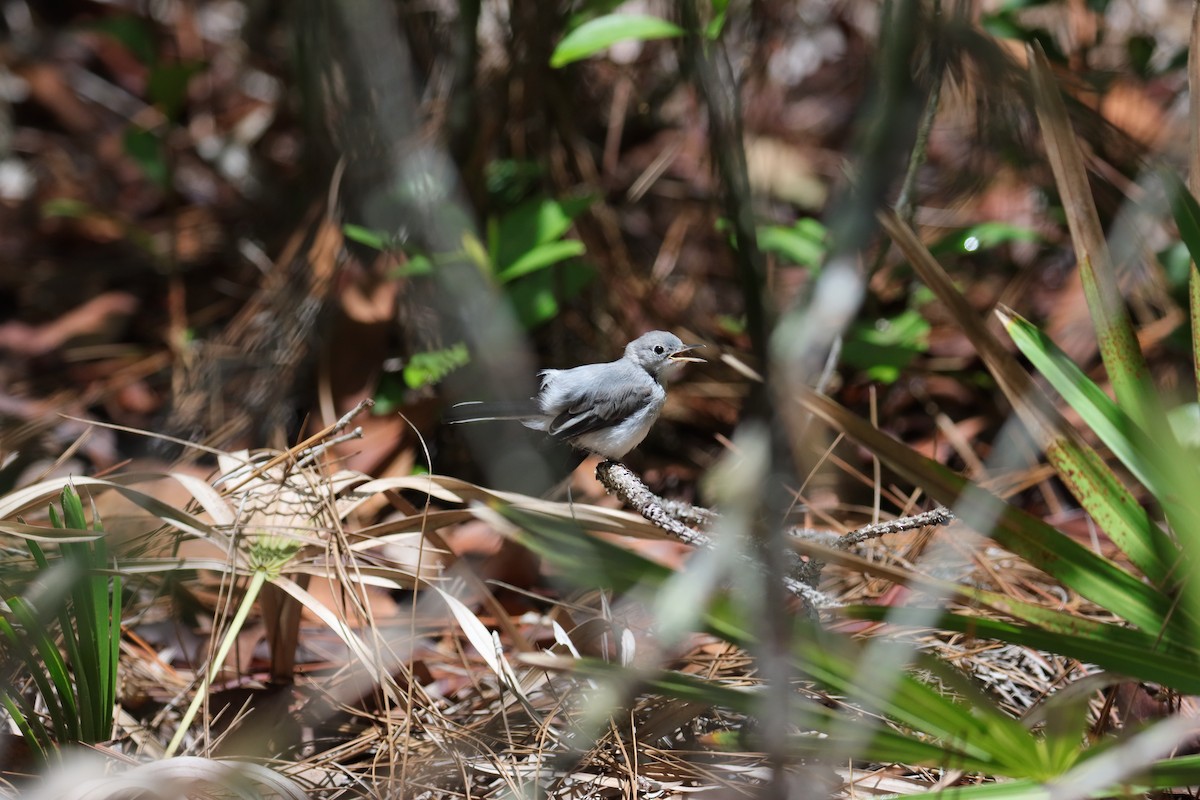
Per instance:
x=585, y=415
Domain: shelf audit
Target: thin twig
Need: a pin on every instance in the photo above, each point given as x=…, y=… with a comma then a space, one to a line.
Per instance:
x=802, y=576
x=304, y=447
x=938, y=516
x=621, y=481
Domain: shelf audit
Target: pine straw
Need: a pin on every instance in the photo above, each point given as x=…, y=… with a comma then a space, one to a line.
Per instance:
x=447, y=720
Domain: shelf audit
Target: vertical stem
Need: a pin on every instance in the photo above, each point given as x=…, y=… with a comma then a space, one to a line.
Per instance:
x=712, y=73
x=256, y=583
x=906, y=204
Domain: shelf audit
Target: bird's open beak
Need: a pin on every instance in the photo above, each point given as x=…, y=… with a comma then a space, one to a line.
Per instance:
x=678, y=355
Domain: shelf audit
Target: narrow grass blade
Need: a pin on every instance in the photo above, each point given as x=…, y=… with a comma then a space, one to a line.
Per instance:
x=1137, y=656
x=1132, y=641
x=50, y=673
x=1123, y=359
x=27, y=722
x=1151, y=551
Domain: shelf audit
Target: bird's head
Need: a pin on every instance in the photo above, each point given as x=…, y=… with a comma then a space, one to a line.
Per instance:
x=658, y=349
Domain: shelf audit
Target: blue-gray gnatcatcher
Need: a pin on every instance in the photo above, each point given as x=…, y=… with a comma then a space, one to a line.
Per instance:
x=606, y=409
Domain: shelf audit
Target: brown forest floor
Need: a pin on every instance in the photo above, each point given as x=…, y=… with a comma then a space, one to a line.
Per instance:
x=172, y=260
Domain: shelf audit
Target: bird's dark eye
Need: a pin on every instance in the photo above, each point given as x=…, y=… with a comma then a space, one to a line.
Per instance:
x=659, y=349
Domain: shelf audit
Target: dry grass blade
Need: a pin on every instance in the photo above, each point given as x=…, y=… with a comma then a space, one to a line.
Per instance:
x=37, y=496
x=40, y=533
x=1118, y=344
x=455, y=490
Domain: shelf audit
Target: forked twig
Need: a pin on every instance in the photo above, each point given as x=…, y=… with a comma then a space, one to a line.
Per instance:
x=671, y=517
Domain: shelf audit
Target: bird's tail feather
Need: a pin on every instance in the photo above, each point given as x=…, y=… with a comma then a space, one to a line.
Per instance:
x=479, y=411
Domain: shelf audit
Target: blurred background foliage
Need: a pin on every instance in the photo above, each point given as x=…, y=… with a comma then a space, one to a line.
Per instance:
x=169, y=171
x=231, y=221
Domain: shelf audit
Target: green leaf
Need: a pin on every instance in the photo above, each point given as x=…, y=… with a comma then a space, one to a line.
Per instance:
x=417, y=265
x=720, y=10
x=509, y=181
x=1140, y=50
x=535, y=222
x=1185, y=210
x=167, y=87
x=66, y=207
x=474, y=250
x=376, y=240
x=887, y=347
x=1077, y=567
x=802, y=244
x=134, y=33
x=430, y=367
x=1176, y=262
x=984, y=236
x=598, y=34
x=1146, y=545
x=536, y=297
x=146, y=148
x=541, y=257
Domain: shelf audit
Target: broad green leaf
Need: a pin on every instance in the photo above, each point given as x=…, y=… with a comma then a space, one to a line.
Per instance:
x=541, y=257
x=801, y=244
x=598, y=34
x=167, y=86
x=67, y=207
x=134, y=33
x=1186, y=212
x=885, y=348
x=533, y=223
x=535, y=298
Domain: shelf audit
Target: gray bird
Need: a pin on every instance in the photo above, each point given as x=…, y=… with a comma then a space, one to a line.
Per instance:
x=606, y=409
